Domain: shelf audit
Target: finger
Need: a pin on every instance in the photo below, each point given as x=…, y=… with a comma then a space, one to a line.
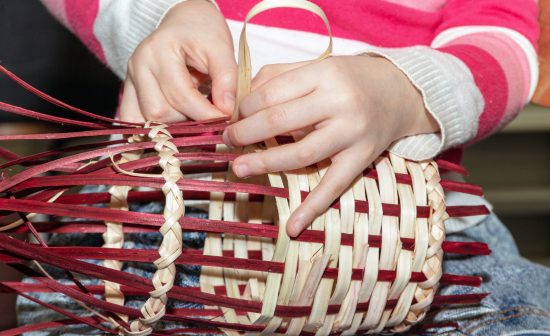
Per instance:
x=344, y=169
x=311, y=149
x=268, y=72
x=275, y=120
x=181, y=92
x=223, y=71
x=285, y=87
x=152, y=102
x=129, y=106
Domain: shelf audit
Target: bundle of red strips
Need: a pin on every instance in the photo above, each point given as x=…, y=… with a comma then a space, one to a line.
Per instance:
x=371, y=263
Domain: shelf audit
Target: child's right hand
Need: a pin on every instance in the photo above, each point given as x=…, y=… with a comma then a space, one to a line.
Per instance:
x=159, y=85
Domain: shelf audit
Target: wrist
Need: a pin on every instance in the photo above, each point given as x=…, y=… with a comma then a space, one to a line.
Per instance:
x=407, y=102
x=422, y=121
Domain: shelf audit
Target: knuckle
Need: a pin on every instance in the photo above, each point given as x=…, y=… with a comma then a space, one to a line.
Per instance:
x=235, y=136
x=158, y=113
x=263, y=164
x=350, y=97
x=332, y=67
x=152, y=40
x=336, y=188
x=277, y=116
x=265, y=70
x=305, y=156
x=363, y=159
x=132, y=64
x=176, y=99
x=265, y=97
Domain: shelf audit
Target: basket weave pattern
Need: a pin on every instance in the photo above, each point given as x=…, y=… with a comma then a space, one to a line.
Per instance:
x=371, y=262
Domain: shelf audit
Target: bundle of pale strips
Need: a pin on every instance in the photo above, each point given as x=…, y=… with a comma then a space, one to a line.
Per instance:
x=301, y=283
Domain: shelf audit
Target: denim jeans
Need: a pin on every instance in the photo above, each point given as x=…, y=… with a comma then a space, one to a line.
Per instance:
x=519, y=303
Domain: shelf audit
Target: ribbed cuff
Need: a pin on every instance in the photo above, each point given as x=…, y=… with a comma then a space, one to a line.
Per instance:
x=144, y=19
x=450, y=95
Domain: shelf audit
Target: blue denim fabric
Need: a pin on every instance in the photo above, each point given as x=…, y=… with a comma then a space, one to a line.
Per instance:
x=520, y=290
x=519, y=303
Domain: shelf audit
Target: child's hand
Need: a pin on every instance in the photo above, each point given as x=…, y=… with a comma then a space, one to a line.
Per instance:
x=349, y=109
x=160, y=87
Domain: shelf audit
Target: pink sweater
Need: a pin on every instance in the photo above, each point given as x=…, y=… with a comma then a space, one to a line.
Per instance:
x=474, y=61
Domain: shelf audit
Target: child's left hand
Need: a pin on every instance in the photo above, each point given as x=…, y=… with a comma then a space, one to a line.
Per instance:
x=349, y=109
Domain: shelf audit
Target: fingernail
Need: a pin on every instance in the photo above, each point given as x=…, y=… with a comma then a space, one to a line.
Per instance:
x=296, y=226
x=229, y=99
x=241, y=170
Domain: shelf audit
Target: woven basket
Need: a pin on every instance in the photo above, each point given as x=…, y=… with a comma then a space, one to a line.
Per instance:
x=371, y=263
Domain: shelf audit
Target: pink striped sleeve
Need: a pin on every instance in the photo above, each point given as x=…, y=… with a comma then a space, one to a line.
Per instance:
x=79, y=17
x=111, y=29
x=496, y=39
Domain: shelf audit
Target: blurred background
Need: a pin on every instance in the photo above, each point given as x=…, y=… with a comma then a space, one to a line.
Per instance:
x=513, y=166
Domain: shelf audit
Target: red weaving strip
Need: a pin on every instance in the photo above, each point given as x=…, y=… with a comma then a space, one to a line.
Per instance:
x=43, y=168
x=175, y=131
x=400, y=178
x=8, y=155
x=176, y=314
x=187, y=315
x=181, y=293
x=45, y=117
x=10, y=287
x=181, y=314
x=153, y=162
x=254, y=262
x=187, y=258
x=226, y=187
x=451, y=166
x=55, y=101
x=449, y=185
x=33, y=159
x=188, y=223
x=91, y=322
x=464, y=248
x=43, y=326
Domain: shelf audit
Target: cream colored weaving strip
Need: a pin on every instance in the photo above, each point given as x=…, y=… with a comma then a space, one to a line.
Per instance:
x=373, y=253
x=332, y=244
x=171, y=246
x=402, y=289
x=360, y=246
x=278, y=287
x=420, y=246
x=377, y=315
x=244, y=66
x=212, y=277
x=432, y=268
x=113, y=236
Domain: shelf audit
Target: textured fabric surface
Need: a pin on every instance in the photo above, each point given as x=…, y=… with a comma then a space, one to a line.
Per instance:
x=520, y=296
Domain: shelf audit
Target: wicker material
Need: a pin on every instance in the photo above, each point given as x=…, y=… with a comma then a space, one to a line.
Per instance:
x=372, y=262
x=301, y=283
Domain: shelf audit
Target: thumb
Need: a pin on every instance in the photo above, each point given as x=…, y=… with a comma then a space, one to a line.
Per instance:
x=223, y=71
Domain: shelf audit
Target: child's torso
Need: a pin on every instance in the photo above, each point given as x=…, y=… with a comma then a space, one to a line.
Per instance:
x=387, y=23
